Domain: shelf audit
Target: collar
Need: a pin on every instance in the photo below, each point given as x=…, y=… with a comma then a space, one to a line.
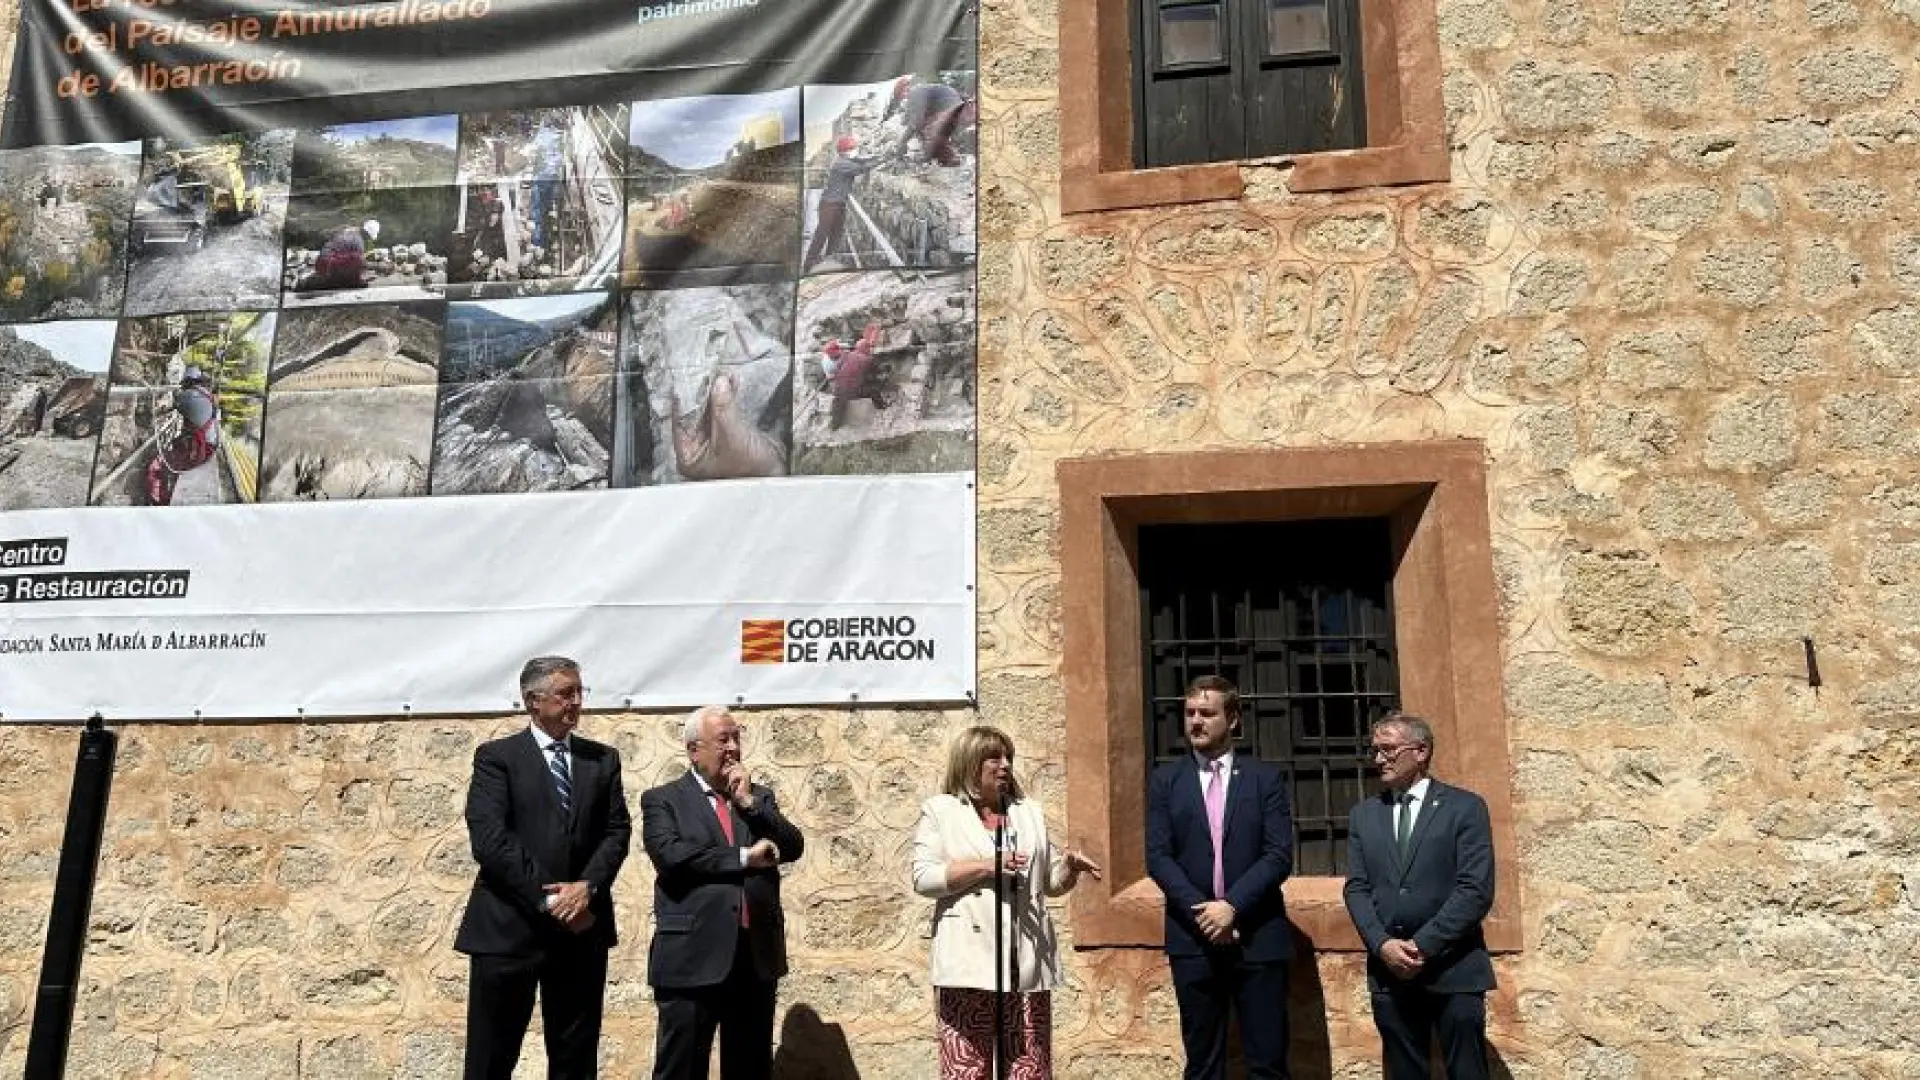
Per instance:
x=706, y=789
x=1420, y=788
x=543, y=740
x=1225, y=760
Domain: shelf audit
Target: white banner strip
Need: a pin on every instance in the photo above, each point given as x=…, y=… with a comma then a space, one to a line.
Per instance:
x=812, y=590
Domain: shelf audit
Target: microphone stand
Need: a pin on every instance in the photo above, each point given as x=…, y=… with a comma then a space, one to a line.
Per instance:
x=999, y=944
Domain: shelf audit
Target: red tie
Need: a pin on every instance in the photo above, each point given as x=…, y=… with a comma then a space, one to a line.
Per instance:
x=726, y=827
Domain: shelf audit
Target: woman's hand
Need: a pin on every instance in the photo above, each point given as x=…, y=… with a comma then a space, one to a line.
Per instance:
x=1078, y=863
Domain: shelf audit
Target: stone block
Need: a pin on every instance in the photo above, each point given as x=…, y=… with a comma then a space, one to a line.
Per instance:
x=1751, y=432
x=1622, y=603
x=1775, y=594
x=1547, y=97
x=1684, y=510
x=1744, y=273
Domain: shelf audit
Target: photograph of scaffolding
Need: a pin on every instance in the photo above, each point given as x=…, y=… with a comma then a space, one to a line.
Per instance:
x=707, y=385
x=527, y=398
x=183, y=415
x=713, y=190
x=885, y=363
x=53, y=397
x=206, y=224
x=890, y=173
x=350, y=402
x=63, y=230
x=540, y=202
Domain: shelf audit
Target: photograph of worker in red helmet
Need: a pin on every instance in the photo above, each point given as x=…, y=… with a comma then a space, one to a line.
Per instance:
x=890, y=174
x=884, y=366
x=183, y=414
x=713, y=190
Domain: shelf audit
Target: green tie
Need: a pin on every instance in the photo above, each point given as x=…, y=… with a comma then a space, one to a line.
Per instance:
x=1403, y=821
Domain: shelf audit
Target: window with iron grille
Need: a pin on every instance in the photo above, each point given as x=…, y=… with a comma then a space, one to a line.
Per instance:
x=1299, y=614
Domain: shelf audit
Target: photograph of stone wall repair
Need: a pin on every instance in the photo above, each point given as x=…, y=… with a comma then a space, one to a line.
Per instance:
x=707, y=385
x=890, y=170
x=53, y=396
x=350, y=402
x=350, y=247
x=206, y=224
x=713, y=189
x=885, y=373
x=526, y=399
x=540, y=200
x=63, y=230
x=183, y=414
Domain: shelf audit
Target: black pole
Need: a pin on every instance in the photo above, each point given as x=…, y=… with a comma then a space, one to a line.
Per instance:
x=999, y=945
x=72, y=903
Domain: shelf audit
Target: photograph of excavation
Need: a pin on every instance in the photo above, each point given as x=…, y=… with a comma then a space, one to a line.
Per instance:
x=540, y=202
x=354, y=247
x=350, y=400
x=376, y=156
x=713, y=190
x=890, y=171
x=183, y=411
x=707, y=385
x=206, y=224
x=63, y=230
x=885, y=363
x=527, y=398
x=53, y=397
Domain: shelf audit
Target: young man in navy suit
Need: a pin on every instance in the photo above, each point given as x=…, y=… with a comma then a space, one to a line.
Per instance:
x=1219, y=844
x=1419, y=882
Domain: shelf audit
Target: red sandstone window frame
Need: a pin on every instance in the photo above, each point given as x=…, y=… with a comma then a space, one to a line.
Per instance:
x=1406, y=115
x=1446, y=618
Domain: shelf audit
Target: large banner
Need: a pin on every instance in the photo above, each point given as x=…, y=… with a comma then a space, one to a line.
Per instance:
x=350, y=354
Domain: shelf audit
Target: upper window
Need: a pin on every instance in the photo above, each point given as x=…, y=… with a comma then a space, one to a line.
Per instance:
x=1229, y=80
x=1170, y=101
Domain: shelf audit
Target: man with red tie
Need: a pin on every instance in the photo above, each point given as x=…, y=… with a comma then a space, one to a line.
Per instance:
x=1219, y=845
x=720, y=942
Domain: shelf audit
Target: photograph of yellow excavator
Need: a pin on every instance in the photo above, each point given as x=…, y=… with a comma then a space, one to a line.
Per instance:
x=206, y=224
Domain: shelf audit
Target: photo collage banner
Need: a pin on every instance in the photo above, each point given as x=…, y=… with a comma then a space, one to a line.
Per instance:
x=351, y=354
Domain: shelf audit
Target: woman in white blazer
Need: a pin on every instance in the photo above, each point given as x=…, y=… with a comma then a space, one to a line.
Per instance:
x=953, y=849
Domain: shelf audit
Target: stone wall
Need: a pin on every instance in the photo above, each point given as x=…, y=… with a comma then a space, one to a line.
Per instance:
x=1675, y=289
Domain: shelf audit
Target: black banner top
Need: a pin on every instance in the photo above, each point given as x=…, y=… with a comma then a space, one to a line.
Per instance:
x=103, y=71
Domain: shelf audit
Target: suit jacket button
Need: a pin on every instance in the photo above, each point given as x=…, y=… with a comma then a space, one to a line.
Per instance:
x=1403, y=891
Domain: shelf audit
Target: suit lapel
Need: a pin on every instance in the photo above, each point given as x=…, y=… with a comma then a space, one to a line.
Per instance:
x=585, y=766
x=695, y=801
x=1240, y=797
x=1434, y=805
x=535, y=760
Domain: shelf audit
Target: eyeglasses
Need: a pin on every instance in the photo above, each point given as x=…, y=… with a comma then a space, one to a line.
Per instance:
x=577, y=693
x=1391, y=753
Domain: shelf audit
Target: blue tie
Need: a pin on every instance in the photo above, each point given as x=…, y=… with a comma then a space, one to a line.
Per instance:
x=562, y=776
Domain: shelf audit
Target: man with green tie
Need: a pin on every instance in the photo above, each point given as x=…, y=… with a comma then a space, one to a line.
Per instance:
x=1419, y=882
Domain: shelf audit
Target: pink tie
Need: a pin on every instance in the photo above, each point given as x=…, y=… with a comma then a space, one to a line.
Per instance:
x=1216, y=822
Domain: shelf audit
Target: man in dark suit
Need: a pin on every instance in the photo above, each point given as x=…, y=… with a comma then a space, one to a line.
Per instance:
x=719, y=938
x=1219, y=844
x=1419, y=881
x=549, y=827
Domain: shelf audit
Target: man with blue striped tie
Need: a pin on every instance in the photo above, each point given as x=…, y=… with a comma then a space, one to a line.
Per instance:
x=548, y=822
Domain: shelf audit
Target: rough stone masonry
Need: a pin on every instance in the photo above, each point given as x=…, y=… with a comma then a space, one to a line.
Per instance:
x=1674, y=286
